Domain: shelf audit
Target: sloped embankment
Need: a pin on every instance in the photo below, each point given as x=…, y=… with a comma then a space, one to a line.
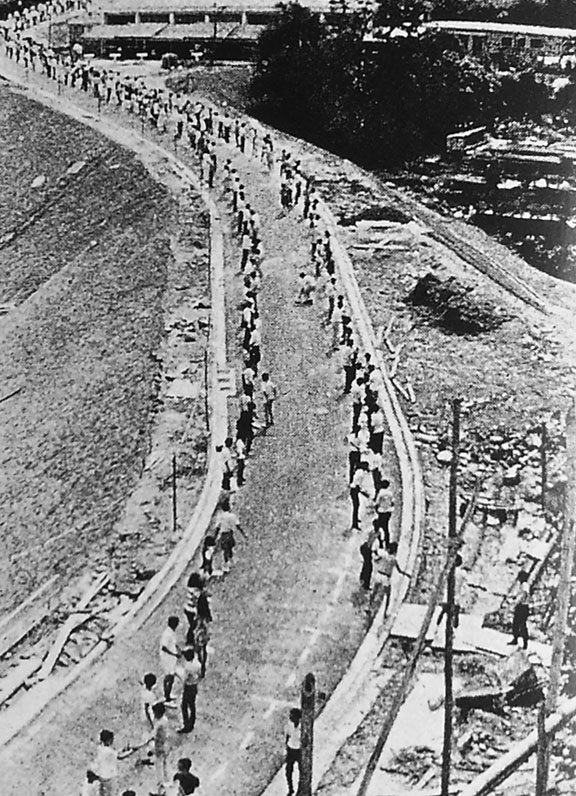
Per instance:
x=83, y=263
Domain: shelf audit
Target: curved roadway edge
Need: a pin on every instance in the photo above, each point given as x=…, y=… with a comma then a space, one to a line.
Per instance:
x=22, y=714
x=358, y=688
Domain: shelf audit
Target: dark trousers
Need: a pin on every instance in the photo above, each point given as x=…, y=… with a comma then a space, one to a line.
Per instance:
x=189, y=707
x=519, y=626
x=168, y=683
x=292, y=756
x=377, y=441
x=356, y=409
x=382, y=523
x=349, y=373
x=192, y=620
x=353, y=461
x=355, y=498
x=240, y=472
x=268, y=414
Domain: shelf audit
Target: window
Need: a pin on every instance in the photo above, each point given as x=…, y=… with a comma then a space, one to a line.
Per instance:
x=536, y=44
x=520, y=42
x=119, y=19
x=151, y=17
x=188, y=19
x=506, y=41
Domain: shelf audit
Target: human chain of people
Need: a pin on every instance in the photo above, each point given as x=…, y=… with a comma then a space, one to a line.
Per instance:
x=205, y=131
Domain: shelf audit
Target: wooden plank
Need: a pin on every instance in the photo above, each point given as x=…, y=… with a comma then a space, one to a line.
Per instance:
x=10, y=618
x=77, y=618
x=17, y=677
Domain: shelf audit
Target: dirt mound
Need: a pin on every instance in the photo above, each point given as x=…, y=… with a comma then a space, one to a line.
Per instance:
x=455, y=307
x=374, y=213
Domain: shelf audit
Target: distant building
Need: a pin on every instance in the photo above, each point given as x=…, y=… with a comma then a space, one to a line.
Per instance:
x=492, y=40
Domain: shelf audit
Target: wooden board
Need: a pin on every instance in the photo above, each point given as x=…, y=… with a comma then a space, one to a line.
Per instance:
x=78, y=617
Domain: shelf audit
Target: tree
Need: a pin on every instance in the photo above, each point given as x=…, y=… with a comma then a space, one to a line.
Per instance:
x=379, y=102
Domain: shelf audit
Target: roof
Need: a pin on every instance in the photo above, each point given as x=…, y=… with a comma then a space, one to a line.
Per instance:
x=196, y=6
x=462, y=26
x=145, y=30
x=164, y=32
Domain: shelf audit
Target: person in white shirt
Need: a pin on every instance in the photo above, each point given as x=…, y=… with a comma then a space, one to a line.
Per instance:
x=384, y=505
x=190, y=673
x=169, y=653
x=358, y=486
x=269, y=393
x=105, y=765
x=293, y=746
x=384, y=565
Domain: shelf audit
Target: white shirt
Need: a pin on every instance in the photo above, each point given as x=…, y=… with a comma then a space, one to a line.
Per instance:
x=106, y=763
x=292, y=736
x=170, y=642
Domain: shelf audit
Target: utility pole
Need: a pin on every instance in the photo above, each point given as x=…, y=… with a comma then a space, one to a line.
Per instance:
x=206, y=406
x=543, y=465
x=307, y=701
x=174, y=495
x=568, y=547
x=449, y=638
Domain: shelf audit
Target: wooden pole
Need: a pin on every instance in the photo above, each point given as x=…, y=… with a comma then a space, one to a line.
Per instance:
x=562, y=596
x=206, y=405
x=307, y=701
x=449, y=637
x=174, y=496
x=543, y=465
x=542, y=752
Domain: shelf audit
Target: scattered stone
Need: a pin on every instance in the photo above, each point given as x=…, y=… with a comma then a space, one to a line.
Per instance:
x=444, y=457
x=38, y=182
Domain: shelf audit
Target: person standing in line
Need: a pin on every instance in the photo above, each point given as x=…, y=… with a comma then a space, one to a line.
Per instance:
x=349, y=363
x=226, y=523
x=193, y=589
x=240, y=461
x=293, y=746
x=385, y=563
x=330, y=292
x=169, y=653
x=358, y=487
x=207, y=565
x=186, y=780
x=521, y=611
x=189, y=673
x=160, y=740
x=149, y=696
x=377, y=430
x=384, y=505
x=105, y=766
x=358, y=393
x=367, y=564
x=269, y=393
x=227, y=464
x=336, y=326
x=354, y=455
